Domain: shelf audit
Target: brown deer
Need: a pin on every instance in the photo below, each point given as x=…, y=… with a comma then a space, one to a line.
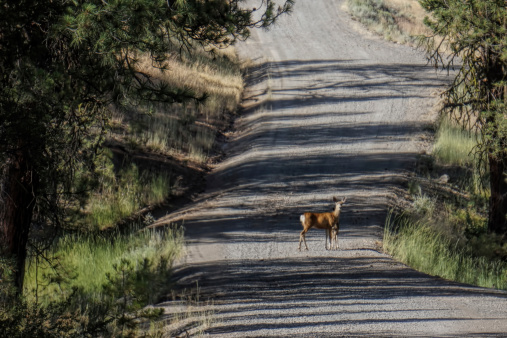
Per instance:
x=329, y=221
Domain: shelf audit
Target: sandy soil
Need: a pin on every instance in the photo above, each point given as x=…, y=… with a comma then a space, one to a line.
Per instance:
x=330, y=111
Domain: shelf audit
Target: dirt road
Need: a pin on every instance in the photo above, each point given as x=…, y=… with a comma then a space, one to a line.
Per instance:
x=329, y=111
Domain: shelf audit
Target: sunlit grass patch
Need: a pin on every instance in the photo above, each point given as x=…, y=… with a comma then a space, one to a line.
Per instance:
x=454, y=145
x=444, y=232
x=120, y=195
x=83, y=262
x=177, y=129
x=421, y=246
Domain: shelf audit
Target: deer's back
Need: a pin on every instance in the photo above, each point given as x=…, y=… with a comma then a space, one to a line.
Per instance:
x=321, y=220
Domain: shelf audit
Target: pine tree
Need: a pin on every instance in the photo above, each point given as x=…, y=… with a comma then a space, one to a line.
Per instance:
x=64, y=65
x=474, y=32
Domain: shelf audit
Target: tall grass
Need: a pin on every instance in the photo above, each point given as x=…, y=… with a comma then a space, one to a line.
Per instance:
x=103, y=278
x=420, y=245
x=119, y=196
x=188, y=131
x=185, y=132
x=84, y=262
x=454, y=145
x=176, y=135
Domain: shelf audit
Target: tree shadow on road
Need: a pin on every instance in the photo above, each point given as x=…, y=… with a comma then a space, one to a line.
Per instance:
x=303, y=292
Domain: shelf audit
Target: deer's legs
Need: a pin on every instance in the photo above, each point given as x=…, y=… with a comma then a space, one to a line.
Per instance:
x=329, y=235
x=334, y=238
x=302, y=237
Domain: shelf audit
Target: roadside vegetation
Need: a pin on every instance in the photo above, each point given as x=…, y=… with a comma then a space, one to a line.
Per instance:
x=107, y=253
x=186, y=131
x=85, y=263
x=440, y=224
x=398, y=21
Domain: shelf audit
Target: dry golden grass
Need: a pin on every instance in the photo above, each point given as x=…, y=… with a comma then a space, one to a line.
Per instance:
x=411, y=16
x=203, y=75
x=186, y=131
x=399, y=21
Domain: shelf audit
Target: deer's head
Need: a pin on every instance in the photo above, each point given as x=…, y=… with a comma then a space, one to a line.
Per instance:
x=338, y=204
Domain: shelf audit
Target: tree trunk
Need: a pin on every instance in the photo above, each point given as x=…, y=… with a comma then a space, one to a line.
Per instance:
x=498, y=200
x=17, y=201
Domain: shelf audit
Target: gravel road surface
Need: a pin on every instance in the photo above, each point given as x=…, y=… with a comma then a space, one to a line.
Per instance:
x=330, y=110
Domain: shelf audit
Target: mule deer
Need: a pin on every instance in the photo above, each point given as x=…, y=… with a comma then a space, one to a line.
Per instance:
x=329, y=221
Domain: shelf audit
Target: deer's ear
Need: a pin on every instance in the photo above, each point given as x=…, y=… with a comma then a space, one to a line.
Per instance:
x=344, y=199
x=335, y=199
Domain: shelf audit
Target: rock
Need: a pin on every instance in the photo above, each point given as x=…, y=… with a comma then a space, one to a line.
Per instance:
x=444, y=178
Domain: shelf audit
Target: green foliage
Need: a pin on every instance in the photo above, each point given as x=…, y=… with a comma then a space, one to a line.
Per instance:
x=129, y=288
x=445, y=230
x=7, y=290
x=457, y=146
x=467, y=220
x=24, y=320
x=120, y=195
x=65, y=66
x=424, y=205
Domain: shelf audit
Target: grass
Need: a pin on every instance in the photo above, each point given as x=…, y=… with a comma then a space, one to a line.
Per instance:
x=455, y=147
x=189, y=315
x=420, y=245
x=187, y=131
x=105, y=277
x=396, y=20
x=84, y=262
x=120, y=195
x=97, y=284
x=454, y=144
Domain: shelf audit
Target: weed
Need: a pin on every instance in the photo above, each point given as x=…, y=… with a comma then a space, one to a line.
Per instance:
x=424, y=205
x=414, y=188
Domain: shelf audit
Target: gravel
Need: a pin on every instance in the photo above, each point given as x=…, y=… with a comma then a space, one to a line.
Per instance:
x=330, y=110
